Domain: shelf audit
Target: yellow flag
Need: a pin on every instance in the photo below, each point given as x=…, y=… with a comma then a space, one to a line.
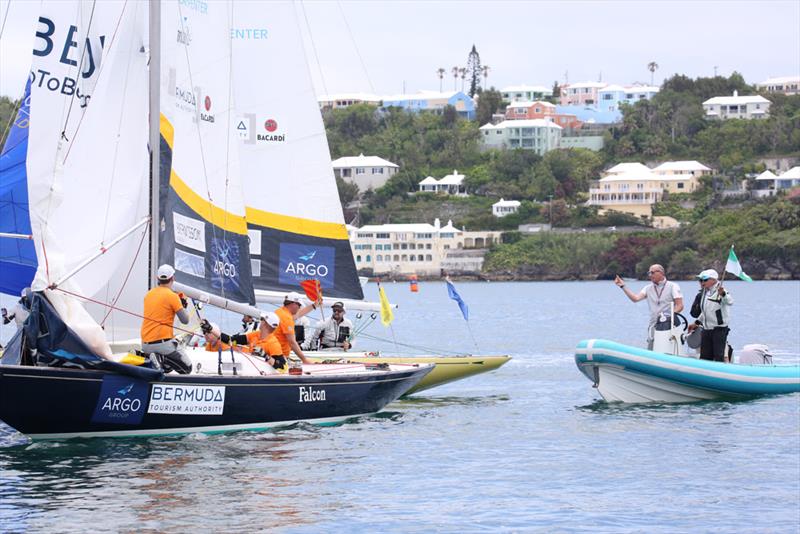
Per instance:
x=386, y=309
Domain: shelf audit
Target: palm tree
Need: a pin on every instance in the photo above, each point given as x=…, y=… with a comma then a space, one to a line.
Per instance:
x=463, y=72
x=485, y=69
x=440, y=71
x=455, y=77
x=652, y=67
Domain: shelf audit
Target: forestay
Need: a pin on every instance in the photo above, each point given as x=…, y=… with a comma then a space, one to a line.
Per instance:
x=294, y=218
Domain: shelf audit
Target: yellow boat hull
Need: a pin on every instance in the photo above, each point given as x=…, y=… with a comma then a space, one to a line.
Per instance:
x=448, y=368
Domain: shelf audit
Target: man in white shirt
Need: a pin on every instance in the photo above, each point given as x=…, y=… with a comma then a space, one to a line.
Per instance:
x=334, y=332
x=714, y=317
x=659, y=294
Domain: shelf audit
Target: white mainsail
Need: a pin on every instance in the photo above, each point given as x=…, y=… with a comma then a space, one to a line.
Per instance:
x=203, y=231
x=295, y=221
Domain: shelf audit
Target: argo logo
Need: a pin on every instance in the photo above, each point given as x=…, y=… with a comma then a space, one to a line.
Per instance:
x=271, y=125
x=122, y=400
x=299, y=262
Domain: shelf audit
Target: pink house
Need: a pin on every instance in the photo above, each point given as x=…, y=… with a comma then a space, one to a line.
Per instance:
x=581, y=93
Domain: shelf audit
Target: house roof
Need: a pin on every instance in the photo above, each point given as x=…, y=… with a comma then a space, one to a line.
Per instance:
x=424, y=95
x=735, y=99
x=452, y=179
x=792, y=173
x=366, y=97
x=627, y=168
x=681, y=166
x=766, y=175
x=430, y=180
x=634, y=176
x=631, y=88
x=780, y=80
x=525, y=123
x=526, y=88
x=362, y=161
x=527, y=104
x=509, y=203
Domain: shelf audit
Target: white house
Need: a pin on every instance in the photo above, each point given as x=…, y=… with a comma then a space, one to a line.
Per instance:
x=503, y=207
x=737, y=107
x=767, y=183
x=539, y=135
x=417, y=248
x=788, y=85
x=452, y=184
x=517, y=93
x=367, y=172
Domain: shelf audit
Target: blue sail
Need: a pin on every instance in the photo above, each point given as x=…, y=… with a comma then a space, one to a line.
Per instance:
x=17, y=256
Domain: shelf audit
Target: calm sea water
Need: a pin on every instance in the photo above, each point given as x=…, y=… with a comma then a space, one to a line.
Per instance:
x=529, y=447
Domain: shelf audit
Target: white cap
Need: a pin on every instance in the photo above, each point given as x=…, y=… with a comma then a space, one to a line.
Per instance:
x=271, y=319
x=215, y=329
x=165, y=272
x=708, y=273
x=294, y=297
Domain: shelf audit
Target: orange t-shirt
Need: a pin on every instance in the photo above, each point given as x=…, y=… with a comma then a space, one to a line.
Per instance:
x=160, y=306
x=271, y=346
x=216, y=346
x=285, y=329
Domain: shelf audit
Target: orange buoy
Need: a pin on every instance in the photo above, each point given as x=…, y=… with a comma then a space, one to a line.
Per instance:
x=413, y=282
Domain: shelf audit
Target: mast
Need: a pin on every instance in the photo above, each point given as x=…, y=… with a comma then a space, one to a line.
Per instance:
x=155, y=135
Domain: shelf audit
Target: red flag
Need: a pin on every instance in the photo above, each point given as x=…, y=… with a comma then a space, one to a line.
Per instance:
x=312, y=289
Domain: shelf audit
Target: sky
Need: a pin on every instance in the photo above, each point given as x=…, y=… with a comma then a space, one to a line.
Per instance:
x=390, y=47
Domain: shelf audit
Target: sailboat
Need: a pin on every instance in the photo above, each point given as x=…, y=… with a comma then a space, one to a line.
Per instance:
x=91, y=221
x=294, y=218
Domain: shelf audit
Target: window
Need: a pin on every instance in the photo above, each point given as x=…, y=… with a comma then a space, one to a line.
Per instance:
x=680, y=185
x=447, y=234
x=446, y=247
x=485, y=133
x=396, y=257
x=382, y=235
x=404, y=246
x=377, y=170
x=419, y=257
x=358, y=258
x=360, y=170
x=347, y=173
x=428, y=257
x=424, y=236
x=395, y=246
x=369, y=258
x=428, y=246
x=404, y=257
x=379, y=257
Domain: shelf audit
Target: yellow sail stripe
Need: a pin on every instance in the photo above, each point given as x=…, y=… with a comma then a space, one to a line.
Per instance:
x=217, y=216
x=296, y=225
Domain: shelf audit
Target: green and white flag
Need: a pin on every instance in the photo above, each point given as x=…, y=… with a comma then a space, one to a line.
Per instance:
x=734, y=267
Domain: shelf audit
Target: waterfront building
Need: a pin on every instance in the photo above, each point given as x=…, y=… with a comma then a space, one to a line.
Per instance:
x=503, y=207
x=367, y=172
x=788, y=85
x=421, y=248
x=525, y=93
x=451, y=184
x=681, y=176
x=434, y=102
x=581, y=93
x=539, y=135
x=737, y=107
x=344, y=100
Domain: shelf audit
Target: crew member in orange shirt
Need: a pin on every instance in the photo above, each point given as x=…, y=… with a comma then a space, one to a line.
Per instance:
x=292, y=309
x=262, y=342
x=161, y=305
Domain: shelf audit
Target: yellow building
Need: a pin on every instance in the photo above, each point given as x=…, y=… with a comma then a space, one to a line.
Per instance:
x=681, y=176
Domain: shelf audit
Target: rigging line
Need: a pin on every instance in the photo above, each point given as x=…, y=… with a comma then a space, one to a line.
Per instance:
x=80, y=72
x=355, y=46
x=197, y=128
x=408, y=345
x=99, y=72
x=313, y=47
x=116, y=145
x=3, y=27
x=127, y=275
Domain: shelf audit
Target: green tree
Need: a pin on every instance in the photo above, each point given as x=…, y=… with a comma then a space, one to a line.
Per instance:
x=489, y=103
x=474, y=70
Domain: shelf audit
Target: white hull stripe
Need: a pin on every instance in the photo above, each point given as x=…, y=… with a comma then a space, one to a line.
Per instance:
x=192, y=430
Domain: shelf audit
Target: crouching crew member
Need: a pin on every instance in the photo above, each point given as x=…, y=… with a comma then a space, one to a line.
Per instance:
x=262, y=342
x=161, y=305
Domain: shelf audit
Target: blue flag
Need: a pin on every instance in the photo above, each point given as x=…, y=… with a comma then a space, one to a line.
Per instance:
x=451, y=291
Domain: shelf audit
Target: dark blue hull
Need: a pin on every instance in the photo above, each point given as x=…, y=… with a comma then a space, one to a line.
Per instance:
x=59, y=403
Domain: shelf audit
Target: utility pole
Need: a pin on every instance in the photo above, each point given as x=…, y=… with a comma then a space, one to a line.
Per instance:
x=550, y=197
x=715, y=71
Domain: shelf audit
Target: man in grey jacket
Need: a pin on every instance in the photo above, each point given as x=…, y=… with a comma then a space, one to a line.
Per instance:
x=715, y=303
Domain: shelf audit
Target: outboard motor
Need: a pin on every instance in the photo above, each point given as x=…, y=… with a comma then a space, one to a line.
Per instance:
x=755, y=354
x=667, y=336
